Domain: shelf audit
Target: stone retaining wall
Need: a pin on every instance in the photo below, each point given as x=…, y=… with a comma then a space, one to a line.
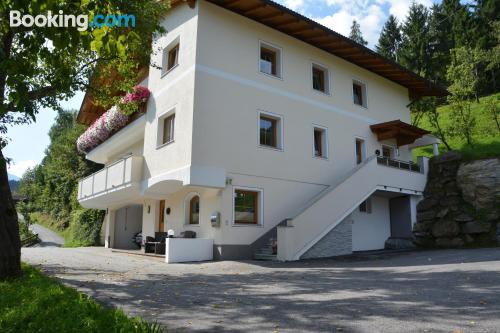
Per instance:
x=461, y=205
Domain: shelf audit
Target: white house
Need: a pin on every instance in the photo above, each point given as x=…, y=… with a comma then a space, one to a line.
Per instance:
x=262, y=124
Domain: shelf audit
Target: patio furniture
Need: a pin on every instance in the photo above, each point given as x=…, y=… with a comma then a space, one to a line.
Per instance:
x=155, y=244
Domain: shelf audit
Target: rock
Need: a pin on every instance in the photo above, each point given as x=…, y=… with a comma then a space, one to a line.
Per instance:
x=426, y=216
x=399, y=243
x=422, y=226
x=445, y=228
x=449, y=242
x=476, y=228
x=426, y=204
x=448, y=201
x=469, y=239
x=442, y=213
x=479, y=182
x=464, y=217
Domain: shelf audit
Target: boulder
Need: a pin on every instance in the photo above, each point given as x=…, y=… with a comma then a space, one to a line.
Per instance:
x=445, y=228
x=442, y=213
x=449, y=242
x=479, y=182
x=464, y=217
x=448, y=201
x=426, y=216
x=422, y=226
x=426, y=204
x=399, y=243
x=476, y=228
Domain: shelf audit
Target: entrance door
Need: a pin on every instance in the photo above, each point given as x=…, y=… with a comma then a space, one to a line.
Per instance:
x=387, y=152
x=400, y=214
x=161, y=224
x=360, y=151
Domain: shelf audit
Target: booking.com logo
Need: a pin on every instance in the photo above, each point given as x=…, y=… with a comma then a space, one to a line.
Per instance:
x=64, y=21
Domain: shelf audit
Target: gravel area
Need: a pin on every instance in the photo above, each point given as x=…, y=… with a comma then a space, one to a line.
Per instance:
x=426, y=291
x=47, y=237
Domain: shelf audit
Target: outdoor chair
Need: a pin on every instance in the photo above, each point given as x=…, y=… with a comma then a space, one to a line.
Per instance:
x=155, y=244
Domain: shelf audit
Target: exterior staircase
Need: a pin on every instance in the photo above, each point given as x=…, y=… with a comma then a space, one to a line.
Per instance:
x=330, y=207
x=266, y=252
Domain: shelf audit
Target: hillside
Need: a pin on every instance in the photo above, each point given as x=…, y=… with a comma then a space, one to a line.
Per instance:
x=14, y=185
x=486, y=134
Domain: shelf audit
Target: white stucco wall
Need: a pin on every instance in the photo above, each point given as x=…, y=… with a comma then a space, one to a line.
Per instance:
x=217, y=92
x=174, y=90
x=370, y=231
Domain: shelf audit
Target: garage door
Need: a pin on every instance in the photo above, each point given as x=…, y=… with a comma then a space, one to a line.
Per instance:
x=128, y=222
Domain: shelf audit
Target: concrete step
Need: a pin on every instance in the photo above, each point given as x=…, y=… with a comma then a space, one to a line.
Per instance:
x=268, y=257
x=265, y=251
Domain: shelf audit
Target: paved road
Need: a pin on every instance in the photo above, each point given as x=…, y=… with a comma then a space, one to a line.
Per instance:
x=431, y=291
x=47, y=237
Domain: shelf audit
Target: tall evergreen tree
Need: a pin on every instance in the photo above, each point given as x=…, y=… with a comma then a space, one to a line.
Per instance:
x=440, y=43
x=356, y=34
x=390, y=39
x=414, y=51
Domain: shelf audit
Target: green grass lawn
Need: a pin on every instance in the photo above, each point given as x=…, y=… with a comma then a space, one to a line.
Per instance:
x=37, y=303
x=486, y=135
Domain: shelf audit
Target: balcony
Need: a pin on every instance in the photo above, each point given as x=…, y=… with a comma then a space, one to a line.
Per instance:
x=116, y=184
x=393, y=163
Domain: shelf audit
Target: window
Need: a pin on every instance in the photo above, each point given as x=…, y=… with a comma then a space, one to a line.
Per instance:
x=168, y=129
x=320, y=79
x=366, y=206
x=360, y=151
x=270, y=60
x=173, y=57
x=320, y=142
x=359, y=93
x=170, y=57
x=246, y=207
x=270, y=130
x=194, y=210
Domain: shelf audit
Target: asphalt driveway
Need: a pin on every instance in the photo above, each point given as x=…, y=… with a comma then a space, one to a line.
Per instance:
x=430, y=291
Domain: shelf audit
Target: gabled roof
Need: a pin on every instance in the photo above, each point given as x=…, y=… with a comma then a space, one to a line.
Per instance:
x=294, y=24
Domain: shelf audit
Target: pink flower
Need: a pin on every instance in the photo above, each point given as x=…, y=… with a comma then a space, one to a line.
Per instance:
x=106, y=125
x=139, y=95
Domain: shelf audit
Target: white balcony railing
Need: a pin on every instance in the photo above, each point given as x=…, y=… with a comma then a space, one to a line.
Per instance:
x=119, y=174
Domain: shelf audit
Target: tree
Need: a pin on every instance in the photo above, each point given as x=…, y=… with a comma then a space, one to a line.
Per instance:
x=41, y=65
x=427, y=106
x=462, y=73
x=52, y=186
x=390, y=39
x=414, y=50
x=492, y=105
x=356, y=34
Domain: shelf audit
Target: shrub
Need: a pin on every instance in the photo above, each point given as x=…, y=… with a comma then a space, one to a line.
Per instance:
x=85, y=227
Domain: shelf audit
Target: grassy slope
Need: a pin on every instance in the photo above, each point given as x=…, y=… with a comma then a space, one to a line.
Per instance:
x=36, y=303
x=486, y=135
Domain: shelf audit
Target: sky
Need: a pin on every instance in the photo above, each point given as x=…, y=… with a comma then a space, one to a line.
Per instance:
x=28, y=142
x=339, y=14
